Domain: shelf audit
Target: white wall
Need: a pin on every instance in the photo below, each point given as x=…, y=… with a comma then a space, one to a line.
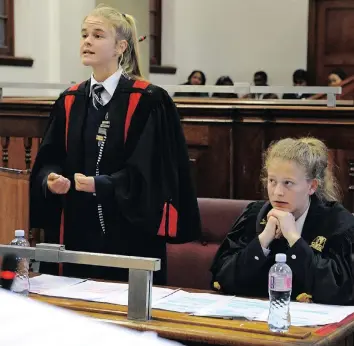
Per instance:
x=48, y=31
x=235, y=37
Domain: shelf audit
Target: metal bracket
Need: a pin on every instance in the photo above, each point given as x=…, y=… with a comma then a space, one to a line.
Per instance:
x=140, y=270
x=140, y=294
x=48, y=252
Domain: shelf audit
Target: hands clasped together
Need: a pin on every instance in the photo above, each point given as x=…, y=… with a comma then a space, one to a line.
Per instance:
x=280, y=223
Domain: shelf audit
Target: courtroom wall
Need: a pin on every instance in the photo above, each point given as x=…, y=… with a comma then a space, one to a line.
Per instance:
x=234, y=37
x=48, y=31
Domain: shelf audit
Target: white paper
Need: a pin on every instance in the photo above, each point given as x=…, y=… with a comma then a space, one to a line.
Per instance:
x=45, y=282
x=301, y=314
x=235, y=307
x=182, y=301
x=121, y=298
x=88, y=290
x=309, y=314
x=60, y=327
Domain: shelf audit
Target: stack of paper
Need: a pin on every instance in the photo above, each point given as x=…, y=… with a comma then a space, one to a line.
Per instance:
x=182, y=301
x=90, y=290
x=301, y=314
x=87, y=290
x=122, y=297
x=235, y=308
x=43, y=283
x=198, y=304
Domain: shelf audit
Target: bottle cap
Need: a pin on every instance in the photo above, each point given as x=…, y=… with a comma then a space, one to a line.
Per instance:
x=280, y=257
x=19, y=233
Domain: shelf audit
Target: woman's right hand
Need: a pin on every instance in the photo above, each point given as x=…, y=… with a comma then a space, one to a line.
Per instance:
x=58, y=184
x=271, y=231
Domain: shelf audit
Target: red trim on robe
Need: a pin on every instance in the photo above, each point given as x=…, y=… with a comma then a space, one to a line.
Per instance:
x=133, y=103
x=170, y=212
x=68, y=102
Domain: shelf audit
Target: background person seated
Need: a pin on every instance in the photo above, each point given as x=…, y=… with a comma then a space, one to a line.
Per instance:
x=302, y=219
x=195, y=78
x=225, y=80
x=300, y=78
x=336, y=77
x=260, y=78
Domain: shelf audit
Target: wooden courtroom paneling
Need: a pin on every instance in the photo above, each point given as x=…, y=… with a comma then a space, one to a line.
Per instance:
x=209, y=144
x=14, y=204
x=330, y=38
x=226, y=139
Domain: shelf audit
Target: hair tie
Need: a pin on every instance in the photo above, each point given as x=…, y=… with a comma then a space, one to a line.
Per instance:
x=123, y=14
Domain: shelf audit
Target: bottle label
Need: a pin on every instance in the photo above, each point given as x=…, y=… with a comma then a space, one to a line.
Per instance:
x=280, y=283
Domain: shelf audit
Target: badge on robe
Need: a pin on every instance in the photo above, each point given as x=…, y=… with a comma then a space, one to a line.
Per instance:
x=318, y=243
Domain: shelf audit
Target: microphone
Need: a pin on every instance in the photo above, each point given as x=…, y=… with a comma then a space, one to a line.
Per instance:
x=8, y=271
x=142, y=38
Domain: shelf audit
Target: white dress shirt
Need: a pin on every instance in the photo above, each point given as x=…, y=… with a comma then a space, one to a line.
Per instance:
x=110, y=85
x=299, y=224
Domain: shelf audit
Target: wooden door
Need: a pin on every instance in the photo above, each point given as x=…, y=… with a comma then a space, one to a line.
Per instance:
x=330, y=38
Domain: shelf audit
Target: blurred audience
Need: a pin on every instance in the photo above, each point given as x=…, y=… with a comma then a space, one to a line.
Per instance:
x=197, y=77
x=225, y=80
x=336, y=77
x=300, y=78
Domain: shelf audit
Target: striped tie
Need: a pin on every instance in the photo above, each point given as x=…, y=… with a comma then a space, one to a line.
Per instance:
x=97, y=90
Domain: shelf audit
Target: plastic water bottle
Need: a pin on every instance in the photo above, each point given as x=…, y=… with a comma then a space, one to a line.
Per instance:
x=279, y=285
x=21, y=282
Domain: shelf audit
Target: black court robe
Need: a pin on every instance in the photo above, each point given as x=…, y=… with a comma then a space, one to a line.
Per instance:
x=136, y=179
x=320, y=260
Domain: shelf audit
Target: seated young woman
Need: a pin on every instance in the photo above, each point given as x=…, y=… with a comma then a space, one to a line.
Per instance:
x=302, y=219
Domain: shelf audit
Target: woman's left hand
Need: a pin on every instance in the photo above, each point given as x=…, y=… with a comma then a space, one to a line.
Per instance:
x=287, y=225
x=84, y=184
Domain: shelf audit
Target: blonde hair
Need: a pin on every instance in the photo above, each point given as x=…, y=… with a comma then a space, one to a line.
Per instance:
x=125, y=29
x=311, y=154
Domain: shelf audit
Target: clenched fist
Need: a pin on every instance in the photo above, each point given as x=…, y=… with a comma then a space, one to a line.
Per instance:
x=58, y=184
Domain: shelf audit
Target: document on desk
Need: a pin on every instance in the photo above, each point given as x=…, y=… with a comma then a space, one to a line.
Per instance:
x=88, y=290
x=182, y=301
x=235, y=307
x=44, y=282
x=121, y=298
x=301, y=314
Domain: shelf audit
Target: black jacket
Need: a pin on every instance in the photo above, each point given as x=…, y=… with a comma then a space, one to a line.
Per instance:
x=320, y=260
x=136, y=178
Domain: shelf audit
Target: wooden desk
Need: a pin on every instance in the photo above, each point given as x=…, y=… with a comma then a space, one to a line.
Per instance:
x=193, y=331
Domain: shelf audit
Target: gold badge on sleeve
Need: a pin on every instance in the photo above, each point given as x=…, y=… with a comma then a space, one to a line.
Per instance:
x=318, y=243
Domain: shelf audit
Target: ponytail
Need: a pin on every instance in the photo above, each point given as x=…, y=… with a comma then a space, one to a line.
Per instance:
x=131, y=63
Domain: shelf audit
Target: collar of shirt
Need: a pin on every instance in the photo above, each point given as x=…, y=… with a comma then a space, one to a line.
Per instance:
x=110, y=85
x=299, y=223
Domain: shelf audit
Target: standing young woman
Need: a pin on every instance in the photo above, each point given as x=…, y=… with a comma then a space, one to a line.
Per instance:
x=112, y=173
x=303, y=219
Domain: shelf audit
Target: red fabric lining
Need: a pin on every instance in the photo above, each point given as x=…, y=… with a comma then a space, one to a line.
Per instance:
x=170, y=210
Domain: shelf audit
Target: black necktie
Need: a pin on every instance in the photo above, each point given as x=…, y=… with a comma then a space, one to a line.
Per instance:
x=97, y=90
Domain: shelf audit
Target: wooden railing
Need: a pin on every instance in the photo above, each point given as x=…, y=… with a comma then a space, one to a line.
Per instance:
x=225, y=138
